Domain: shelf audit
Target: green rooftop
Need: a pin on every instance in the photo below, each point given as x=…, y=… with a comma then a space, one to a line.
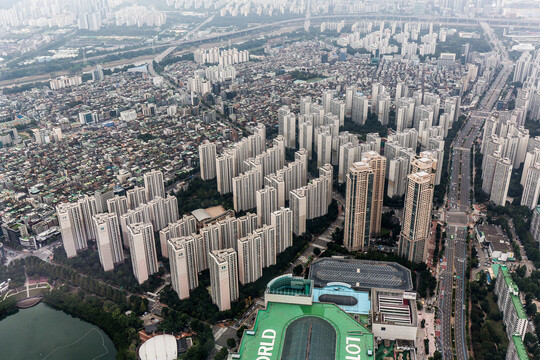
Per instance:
x=520, y=347
x=519, y=306
x=306, y=332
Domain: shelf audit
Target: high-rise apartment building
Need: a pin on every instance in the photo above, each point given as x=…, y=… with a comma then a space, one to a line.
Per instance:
x=143, y=251
x=416, y=220
x=186, y=226
x=226, y=170
x=282, y=222
x=154, y=185
x=108, y=239
x=183, y=264
x=223, y=277
x=267, y=203
x=501, y=181
x=207, y=160
x=72, y=227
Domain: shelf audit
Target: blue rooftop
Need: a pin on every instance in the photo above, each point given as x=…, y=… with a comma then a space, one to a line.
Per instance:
x=341, y=294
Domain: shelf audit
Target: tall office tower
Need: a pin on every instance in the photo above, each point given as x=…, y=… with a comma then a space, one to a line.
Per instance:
x=401, y=90
x=282, y=222
x=377, y=163
x=324, y=148
x=434, y=101
x=357, y=208
x=376, y=89
x=250, y=254
x=531, y=190
x=327, y=97
x=436, y=149
x=383, y=108
x=186, y=226
x=72, y=227
x=245, y=188
x=348, y=154
x=154, y=185
x=108, y=240
x=305, y=136
x=425, y=113
x=298, y=204
x=143, y=251
x=183, y=265
x=305, y=105
x=349, y=94
x=226, y=170
x=136, y=197
x=267, y=203
x=416, y=220
x=337, y=107
x=501, y=181
x=360, y=106
x=223, y=266
x=117, y=205
x=207, y=160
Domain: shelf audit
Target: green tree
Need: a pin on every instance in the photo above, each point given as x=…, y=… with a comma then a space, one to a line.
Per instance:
x=231, y=343
x=297, y=270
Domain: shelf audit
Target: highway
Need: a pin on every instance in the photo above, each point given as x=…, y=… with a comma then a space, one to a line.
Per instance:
x=458, y=210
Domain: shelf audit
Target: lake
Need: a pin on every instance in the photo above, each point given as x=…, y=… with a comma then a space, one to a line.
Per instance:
x=42, y=332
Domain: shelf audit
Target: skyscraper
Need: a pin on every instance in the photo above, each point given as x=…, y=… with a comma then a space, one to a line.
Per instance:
x=207, y=160
x=223, y=277
x=153, y=184
x=416, y=217
x=360, y=107
x=357, y=208
x=109, y=242
x=183, y=263
x=378, y=164
x=143, y=251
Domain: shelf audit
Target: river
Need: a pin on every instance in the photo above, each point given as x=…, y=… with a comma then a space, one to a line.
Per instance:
x=44, y=333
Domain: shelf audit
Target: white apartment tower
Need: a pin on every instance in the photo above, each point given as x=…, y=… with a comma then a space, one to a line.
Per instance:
x=143, y=251
x=153, y=184
x=501, y=181
x=183, y=263
x=207, y=160
x=223, y=277
x=109, y=242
